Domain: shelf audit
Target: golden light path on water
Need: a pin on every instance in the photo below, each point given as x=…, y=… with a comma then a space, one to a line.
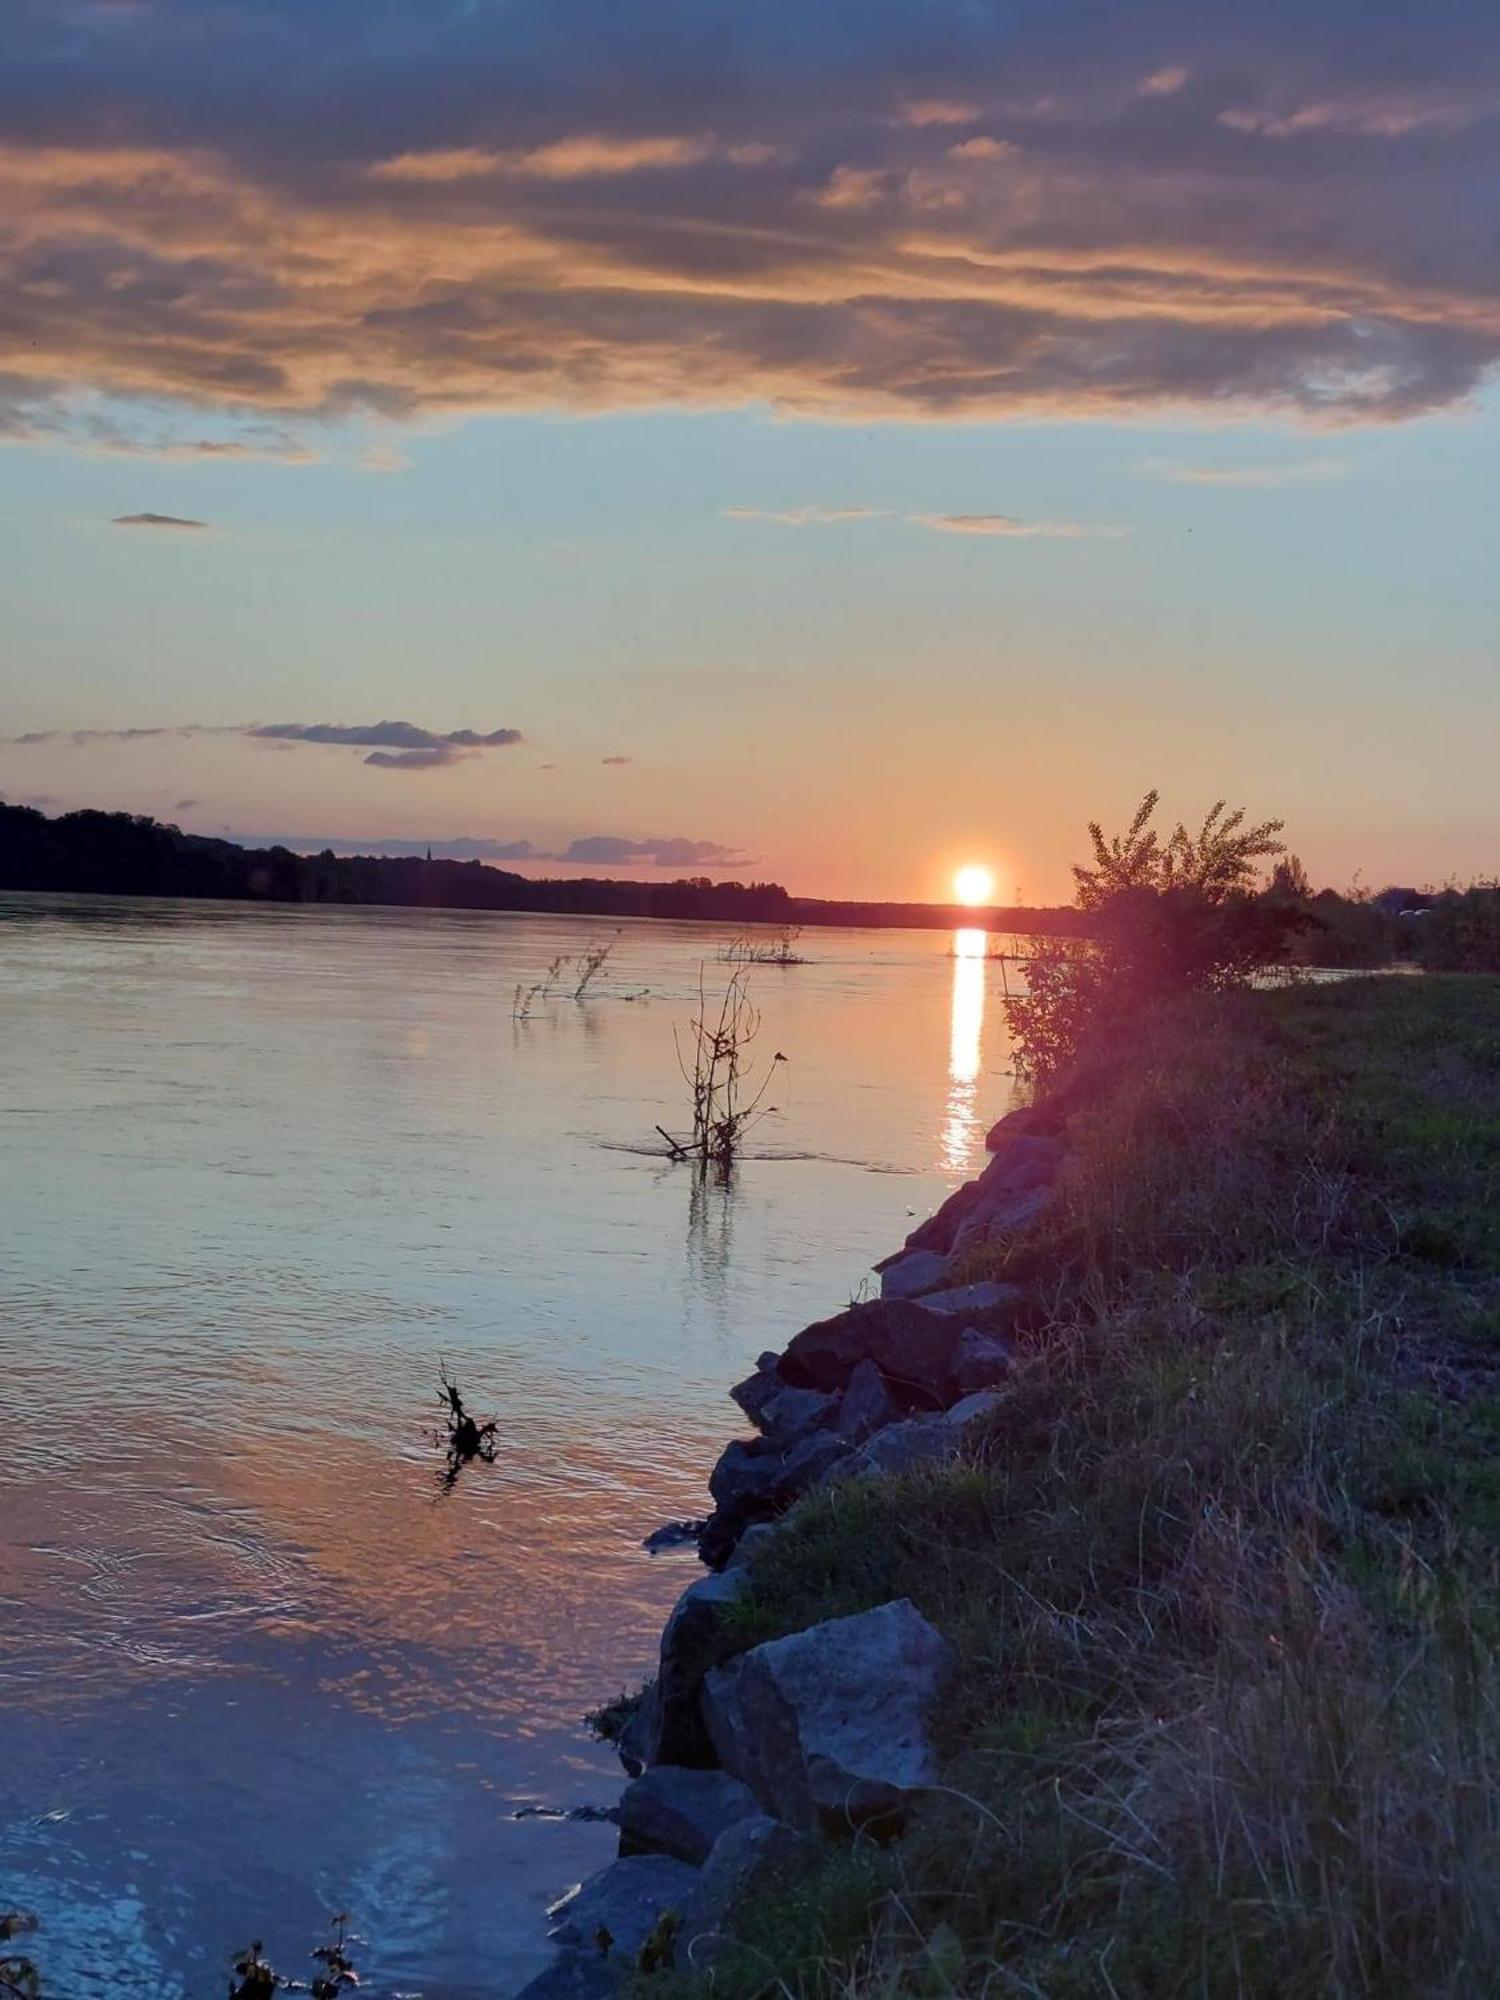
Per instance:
x=965, y=1048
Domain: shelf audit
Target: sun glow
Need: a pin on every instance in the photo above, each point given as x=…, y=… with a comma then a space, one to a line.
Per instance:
x=974, y=885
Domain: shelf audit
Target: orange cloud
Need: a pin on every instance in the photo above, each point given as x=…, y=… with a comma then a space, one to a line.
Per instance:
x=1083, y=273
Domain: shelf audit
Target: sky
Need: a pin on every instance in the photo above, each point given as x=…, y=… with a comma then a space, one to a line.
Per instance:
x=826, y=444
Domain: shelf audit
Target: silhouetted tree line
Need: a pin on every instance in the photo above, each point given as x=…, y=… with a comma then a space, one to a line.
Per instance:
x=127, y=854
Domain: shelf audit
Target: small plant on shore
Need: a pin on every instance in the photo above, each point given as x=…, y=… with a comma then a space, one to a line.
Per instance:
x=1162, y=917
x=726, y=1098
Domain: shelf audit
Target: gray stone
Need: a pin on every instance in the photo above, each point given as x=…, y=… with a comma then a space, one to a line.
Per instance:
x=972, y=1410
x=740, y=1867
x=792, y=1413
x=1004, y=1215
x=680, y=1812
x=986, y=1296
x=982, y=1360
x=640, y=1736
x=1028, y=1121
x=806, y=1464
x=691, y=1642
x=912, y=1348
x=829, y=1727
x=615, y=1911
x=911, y=1273
x=868, y=1405
x=745, y=1473
x=756, y=1390
x=753, y=1538
x=916, y=1441
x=575, y=1975
x=1026, y=1163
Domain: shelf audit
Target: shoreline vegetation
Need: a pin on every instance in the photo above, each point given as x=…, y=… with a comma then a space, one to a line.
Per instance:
x=1198, y=1590
x=1109, y=1607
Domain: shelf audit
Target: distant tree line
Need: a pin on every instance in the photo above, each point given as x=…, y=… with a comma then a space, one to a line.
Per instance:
x=127, y=854
x=1440, y=930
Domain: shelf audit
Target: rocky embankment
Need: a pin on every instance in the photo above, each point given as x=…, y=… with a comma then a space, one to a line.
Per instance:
x=739, y=1759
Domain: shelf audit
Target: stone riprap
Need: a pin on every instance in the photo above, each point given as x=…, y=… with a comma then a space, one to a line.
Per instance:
x=745, y=1758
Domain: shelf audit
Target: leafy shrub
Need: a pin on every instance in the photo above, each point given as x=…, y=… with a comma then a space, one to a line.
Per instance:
x=1162, y=917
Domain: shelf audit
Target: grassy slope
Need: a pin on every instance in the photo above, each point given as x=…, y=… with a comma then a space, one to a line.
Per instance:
x=1223, y=1581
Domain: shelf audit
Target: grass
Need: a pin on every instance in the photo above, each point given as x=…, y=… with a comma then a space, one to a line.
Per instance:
x=1222, y=1575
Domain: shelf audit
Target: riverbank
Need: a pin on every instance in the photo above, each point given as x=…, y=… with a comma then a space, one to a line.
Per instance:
x=1171, y=1670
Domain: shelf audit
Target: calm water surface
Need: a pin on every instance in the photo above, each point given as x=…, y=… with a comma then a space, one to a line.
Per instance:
x=262, y=1170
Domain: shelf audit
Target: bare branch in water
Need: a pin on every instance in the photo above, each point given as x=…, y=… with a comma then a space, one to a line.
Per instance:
x=464, y=1439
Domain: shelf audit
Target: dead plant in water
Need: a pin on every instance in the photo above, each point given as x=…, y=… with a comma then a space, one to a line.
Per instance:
x=777, y=947
x=726, y=1099
x=582, y=969
x=465, y=1440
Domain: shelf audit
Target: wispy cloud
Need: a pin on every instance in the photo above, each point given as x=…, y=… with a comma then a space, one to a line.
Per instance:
x=606, y=850
x=803, y=517
x=391, y=745
x=1308, y=471
x=1009, y=527
x=585, y=156
x=384, y=458
x=156, y=521
x=612, y=849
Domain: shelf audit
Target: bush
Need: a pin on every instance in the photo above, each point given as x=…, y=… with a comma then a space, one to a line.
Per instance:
x=1162, y=918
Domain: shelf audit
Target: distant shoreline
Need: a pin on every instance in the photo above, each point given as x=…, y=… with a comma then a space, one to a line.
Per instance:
x=122, y=854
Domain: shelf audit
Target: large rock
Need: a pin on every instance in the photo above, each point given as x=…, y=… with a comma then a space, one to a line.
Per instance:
x=681, y=1812
x=792, y=1413
x=743, y=1864
x=1030, y=1121
x=912, y=1348
x=867, y=1406
x=1026, y=1163
x=756, y=1390
x=829, y=1727
x=982, y=1360
x=667, y=1728
x=1002, y=1216
x=928, y=1440
x=754, y=1537
x=910, y=1273
x=615, y=1911
x=919, y=1441
x=746, y=1472
x=987, y=1296
x=756, y=1480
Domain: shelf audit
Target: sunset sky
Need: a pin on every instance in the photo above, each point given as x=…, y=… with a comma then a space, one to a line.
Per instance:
x=827, y=442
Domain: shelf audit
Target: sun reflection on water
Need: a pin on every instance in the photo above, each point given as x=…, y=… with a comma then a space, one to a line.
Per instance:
x=960, y=1130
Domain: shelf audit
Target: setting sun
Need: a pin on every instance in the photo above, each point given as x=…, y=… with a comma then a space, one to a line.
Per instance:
x=974, y=885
